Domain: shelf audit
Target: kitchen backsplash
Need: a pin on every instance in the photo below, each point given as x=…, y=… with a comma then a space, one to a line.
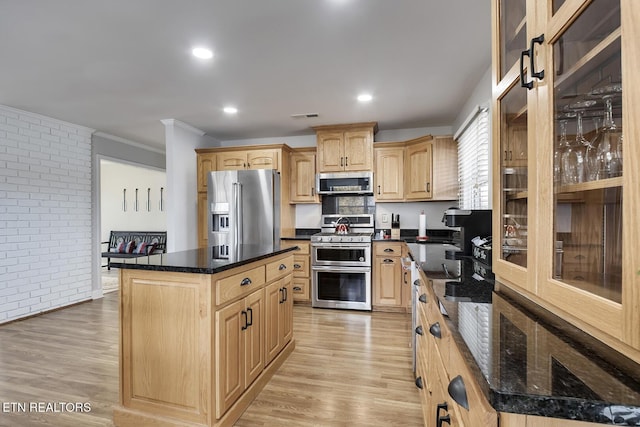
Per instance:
x=308, y=216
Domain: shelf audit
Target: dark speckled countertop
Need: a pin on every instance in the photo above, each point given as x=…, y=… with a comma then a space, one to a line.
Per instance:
x=529, y=361
x=200, y=260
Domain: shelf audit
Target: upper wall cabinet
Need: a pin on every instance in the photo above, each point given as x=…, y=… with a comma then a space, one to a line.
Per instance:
x=253, y=159
x=564, y=77
x=345, y=147
x=303, y=176
x=421, y=169
x=206, y=164
x=389, y=172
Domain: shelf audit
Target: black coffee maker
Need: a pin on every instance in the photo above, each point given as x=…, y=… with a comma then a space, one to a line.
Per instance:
x=472, y=223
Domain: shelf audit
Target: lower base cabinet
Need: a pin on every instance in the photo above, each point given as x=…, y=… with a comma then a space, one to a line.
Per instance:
x=239, y=348
x=301, y=287
x=279, y=316
x=449, y=394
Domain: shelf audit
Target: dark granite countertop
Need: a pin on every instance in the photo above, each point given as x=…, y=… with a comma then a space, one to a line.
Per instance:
x=528, y=360
x=302, y=234
x=200, y=260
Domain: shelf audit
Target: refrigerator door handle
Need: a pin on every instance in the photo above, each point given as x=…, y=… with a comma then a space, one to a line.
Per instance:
x=239, y=214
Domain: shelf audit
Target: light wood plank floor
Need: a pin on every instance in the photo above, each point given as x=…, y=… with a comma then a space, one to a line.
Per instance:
x=348, y=368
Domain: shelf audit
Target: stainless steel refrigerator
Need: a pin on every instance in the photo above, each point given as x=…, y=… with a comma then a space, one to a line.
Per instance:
x=244, y=209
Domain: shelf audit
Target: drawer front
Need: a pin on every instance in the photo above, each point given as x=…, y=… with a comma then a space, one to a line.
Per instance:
x=390, y=249
x=280, y=268
x=301, y=266
x=232, y=287
x=300, y=289
x=303, y=246
x=480, y=411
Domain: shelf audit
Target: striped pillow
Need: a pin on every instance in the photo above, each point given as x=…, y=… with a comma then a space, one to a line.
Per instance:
x=141, y=249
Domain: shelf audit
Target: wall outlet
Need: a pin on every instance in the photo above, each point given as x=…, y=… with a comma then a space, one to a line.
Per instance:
x=385, y=218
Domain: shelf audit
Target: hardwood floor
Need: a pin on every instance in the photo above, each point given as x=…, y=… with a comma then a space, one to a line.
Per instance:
x=348, y=368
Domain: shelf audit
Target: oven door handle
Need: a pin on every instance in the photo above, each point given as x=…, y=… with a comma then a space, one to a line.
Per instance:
x=341, y=269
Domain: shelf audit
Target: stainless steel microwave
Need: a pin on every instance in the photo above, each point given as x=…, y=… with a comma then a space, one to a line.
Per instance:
x=345, y=183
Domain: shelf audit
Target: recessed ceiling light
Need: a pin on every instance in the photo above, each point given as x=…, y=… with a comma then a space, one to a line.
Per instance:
x=230, y=110
x=365, y=97
x=202, y=53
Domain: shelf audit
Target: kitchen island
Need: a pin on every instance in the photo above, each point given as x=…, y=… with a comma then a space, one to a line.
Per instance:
x=200, y=336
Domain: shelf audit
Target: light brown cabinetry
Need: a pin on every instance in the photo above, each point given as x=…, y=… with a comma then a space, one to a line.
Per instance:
x=303, y=176
x=301, y=285
x=279, y=315
x=418, y=172
x=252, y=159
x=439, y=364
x=390, y=292
x=206, y=163
x=345, y=147
x=194, y=346
x=389, y=173
x=424, y=168
x=239, y=348
x=275, y=156
x=577, y=201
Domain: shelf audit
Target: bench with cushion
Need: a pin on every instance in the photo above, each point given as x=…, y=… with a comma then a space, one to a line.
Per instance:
x=133, y=244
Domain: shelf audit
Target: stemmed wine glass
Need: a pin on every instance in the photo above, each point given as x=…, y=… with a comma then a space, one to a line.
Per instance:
x=562, y=147
x=574, y=159
x=608, y=161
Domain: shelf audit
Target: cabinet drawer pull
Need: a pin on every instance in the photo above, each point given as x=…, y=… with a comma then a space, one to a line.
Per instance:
x=435, y=330
x=458, y=392
x=246, y=281
x=419, y=330
x=389, y=250
x=297, y=266
x=297, y=288
x=419, y=383
x=417, y=282
x=282, y=267
x=423, y=298
x=388, y=261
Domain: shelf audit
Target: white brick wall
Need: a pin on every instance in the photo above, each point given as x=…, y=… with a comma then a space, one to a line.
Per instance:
x=45, y=213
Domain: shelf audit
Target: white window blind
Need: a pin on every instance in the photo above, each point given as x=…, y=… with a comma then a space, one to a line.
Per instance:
x=473, y=161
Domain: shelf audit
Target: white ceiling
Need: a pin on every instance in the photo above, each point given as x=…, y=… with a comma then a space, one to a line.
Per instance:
x=121, y=66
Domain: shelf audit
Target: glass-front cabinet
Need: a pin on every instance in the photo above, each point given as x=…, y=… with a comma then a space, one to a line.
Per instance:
x=566, y=133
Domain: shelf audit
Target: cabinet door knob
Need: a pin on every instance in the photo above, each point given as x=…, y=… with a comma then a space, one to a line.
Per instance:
x=443, y=419
x=346, y=161
x=378, y=190
x=341, y=162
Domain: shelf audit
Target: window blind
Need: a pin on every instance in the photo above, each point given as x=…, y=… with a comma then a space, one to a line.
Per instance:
x=473, y=162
